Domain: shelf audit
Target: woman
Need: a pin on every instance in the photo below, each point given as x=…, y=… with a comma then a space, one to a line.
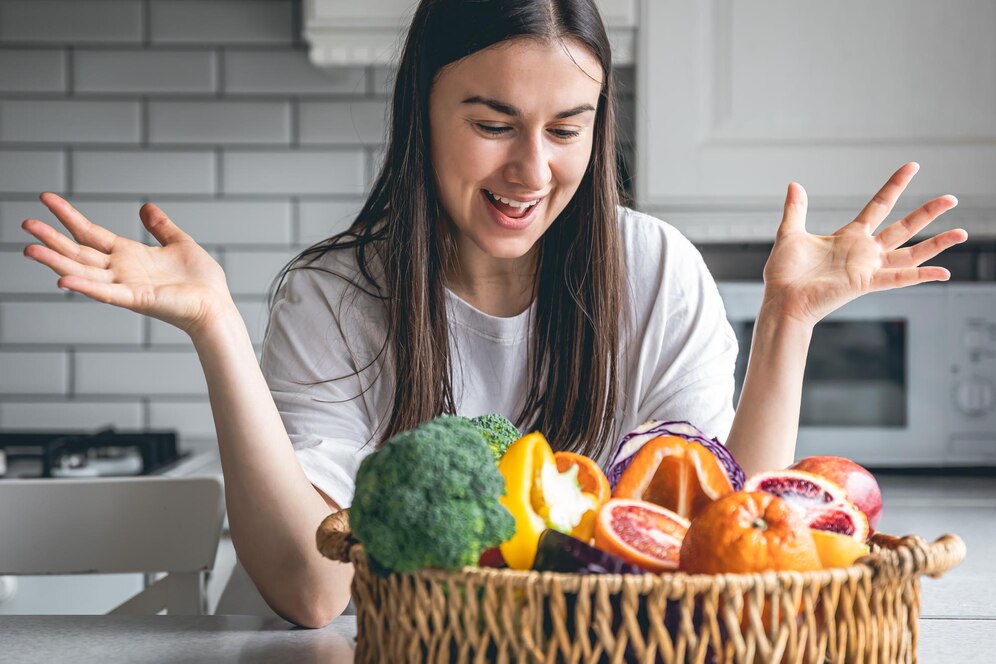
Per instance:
x=490, y=270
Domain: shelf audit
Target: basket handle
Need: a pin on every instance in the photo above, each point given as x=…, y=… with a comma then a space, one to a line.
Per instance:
x=917, y=556
x=334, y=538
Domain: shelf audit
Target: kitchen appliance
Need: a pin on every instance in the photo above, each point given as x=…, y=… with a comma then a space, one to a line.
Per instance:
x=903, y=378
x=105, y=453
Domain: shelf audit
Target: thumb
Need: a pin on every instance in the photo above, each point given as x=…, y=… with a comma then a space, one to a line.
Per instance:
x=796, y=203
x=161, y=227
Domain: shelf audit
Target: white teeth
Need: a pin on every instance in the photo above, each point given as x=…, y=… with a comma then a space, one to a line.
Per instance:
x=511, y=203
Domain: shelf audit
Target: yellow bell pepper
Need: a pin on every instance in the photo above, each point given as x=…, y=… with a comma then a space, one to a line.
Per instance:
x=539, y=497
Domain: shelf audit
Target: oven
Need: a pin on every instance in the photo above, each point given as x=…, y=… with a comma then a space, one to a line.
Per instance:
x=901, y=378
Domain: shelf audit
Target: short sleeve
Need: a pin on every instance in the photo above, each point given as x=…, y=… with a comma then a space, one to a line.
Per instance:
x=696, y=348
x=317, y=361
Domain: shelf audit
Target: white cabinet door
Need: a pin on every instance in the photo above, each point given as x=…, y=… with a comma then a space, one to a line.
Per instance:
x=737, y=99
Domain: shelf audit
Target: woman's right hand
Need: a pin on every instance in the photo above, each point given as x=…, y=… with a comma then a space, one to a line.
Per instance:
x=179, y=282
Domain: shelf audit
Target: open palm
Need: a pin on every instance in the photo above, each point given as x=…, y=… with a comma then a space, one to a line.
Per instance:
x=808, y=276
x=179, y=282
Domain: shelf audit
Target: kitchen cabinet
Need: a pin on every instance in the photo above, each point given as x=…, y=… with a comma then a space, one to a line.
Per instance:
x=737, y=99
x=371, y=32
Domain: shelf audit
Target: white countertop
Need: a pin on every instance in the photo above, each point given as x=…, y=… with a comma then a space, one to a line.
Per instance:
x=246, y=639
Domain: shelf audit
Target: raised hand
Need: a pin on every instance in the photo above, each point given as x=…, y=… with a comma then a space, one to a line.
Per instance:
x=179, y=282
x=808, y=276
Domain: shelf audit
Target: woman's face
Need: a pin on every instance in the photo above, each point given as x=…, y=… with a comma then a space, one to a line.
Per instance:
x=511, y=134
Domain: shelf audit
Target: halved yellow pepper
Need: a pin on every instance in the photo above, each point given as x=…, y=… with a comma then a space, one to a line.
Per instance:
x=538, y=497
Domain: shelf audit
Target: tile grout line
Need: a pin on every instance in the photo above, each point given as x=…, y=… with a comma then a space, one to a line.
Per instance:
x=70, y=158
x=144, y=128
x=146, y=23
x=70, y=79
x=71, y=372
x=295, y=122
x=219, y=173
x=295, y=220
x=219, y=72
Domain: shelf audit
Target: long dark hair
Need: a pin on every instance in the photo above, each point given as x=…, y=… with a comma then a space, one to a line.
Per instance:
x=403, y=247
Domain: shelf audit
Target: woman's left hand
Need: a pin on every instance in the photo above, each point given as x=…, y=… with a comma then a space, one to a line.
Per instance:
x=808, y=276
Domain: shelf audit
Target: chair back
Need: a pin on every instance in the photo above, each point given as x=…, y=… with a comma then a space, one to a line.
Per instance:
x=116, y=525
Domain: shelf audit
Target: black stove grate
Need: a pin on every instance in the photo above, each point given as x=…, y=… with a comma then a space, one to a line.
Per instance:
x=158, y=449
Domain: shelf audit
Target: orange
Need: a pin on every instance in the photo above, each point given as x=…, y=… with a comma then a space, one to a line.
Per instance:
x=590, y=476
x=641, y=533
x=593, y=483
x=836, y=549
x=746, y=532
x=682, y=476
x=823, y=502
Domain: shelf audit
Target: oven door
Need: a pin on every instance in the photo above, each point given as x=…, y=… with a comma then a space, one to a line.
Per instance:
x=863, y=398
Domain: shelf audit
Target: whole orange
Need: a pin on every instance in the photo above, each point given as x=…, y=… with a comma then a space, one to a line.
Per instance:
x=745, y=532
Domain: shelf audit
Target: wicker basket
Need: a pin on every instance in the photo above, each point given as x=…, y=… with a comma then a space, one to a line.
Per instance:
x=865, y=613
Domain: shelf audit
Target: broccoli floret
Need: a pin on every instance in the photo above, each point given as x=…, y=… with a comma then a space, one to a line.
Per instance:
x=498, y=432
x=429, y=498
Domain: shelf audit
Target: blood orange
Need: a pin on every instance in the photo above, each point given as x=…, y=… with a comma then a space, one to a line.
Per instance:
x=642, y=533
x=822, y=502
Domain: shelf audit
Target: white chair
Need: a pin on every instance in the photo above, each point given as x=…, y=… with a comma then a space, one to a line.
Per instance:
x=117, y=525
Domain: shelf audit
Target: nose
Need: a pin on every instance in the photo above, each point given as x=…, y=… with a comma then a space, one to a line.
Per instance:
x=529, y=165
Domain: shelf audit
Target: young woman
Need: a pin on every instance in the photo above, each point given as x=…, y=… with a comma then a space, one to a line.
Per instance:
x=490, y=270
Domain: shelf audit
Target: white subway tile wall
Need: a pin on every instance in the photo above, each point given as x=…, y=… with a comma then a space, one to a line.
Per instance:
x=211, y=110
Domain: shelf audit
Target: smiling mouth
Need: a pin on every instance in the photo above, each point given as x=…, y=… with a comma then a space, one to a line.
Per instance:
x=509, y=207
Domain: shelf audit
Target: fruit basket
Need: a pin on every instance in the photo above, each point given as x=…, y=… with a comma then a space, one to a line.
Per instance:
x=867, y=612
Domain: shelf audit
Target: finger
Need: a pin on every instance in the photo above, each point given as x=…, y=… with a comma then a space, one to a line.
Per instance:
x=909, y=276
x=924, y=251
x=794, y=215
x=160, y=225
x=896, y=234
x=116, y=294
x=85, y=231
x=881, y=204
x=65, y=266
x=56, y=241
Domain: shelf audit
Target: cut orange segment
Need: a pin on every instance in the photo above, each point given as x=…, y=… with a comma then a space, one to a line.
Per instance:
x=680, y=475
x=837, y=550
x=590, y=476
x=822, y=502
x=641, y=533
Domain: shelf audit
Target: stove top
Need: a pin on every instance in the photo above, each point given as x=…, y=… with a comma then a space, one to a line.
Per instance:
x=105, y=453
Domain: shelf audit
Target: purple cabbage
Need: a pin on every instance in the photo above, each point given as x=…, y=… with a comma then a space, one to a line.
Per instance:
x=631, y=443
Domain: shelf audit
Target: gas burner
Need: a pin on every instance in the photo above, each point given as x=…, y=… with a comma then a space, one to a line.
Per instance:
x=106, y=453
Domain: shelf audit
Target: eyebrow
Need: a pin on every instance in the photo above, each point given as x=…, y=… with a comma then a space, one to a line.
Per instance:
x=508, y=109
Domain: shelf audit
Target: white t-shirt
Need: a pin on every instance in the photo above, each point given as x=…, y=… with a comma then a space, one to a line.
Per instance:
x=676, y=361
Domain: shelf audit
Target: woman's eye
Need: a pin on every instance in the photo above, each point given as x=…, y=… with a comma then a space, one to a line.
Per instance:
x=497, y=130
x=492, y=129
x=565, y=133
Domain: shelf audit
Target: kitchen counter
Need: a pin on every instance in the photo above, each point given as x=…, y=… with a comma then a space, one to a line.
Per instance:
x=127, y=639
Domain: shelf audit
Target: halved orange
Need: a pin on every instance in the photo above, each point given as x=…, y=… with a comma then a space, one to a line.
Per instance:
x=590, y=476
x=594, y=484
x=641, y=533
x=837, y=549
x=680, y=475
x=822, y=502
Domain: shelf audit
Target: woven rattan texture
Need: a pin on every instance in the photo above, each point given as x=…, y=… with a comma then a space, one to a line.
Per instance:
x=867, y=613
